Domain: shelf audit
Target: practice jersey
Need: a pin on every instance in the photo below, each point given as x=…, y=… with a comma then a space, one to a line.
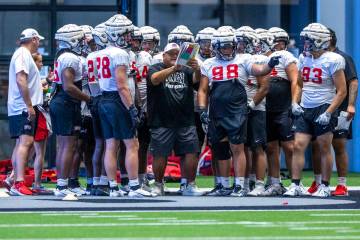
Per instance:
x=286, y=59
x=68, y=60
x=85, y=111
x=252, y=85
x=93, y=63
x=227, y=80
x=140, y=64
x=157, y=58
x=110, y=58
x=317, y=75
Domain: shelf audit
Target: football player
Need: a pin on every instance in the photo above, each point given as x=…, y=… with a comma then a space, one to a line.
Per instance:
x=65, y=109
x=226, y=74
x=151, y=40
x=281, y=94
x=324, y=89
x=118, y=114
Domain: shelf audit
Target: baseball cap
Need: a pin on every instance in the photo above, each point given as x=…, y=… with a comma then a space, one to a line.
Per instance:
x=30, y=33
x=171, y=46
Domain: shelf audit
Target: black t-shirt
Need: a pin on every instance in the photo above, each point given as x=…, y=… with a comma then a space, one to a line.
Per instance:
x=171, y=103
x=350, y=74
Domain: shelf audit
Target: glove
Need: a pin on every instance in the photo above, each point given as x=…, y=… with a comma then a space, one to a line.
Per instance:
x=134, y=114
x=204, y=117
x=343, y=123
x=296, y=109
x=324, y=118
x=273, y=61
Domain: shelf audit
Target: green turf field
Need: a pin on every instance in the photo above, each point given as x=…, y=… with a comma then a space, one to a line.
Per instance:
x=167, y=225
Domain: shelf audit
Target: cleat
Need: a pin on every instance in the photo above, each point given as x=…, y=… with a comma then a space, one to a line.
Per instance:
x=74, y=186
x=340, y=190
x=257, y=191
x=125, y=189
x=225, y=191
x=238, y=191
x=41, y=191
x=181, y=189
x=88, y=189
x=62, y=191
x=251, y=185
x=215, y=190
x=8, y=182
x=116, y=192
x=102, y=190
x=192, y=190
x=158, y=189
x=140, y=193
x=295, y=190
x=146, y=185
x=313, y=188
x=19, y=189
x=274, y=190
x=323, y=191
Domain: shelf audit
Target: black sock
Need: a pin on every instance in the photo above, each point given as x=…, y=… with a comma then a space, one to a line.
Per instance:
x=124, y=181
x=296, y=181
x=326, y=183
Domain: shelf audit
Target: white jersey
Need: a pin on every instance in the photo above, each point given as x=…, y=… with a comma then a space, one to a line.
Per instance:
x=110, y=58
x=23, y=61
x=317, y=75
x=68, y=60
x=85, y=111
x=252, y=85
x=158, y=58
x=286, y=59
x=218, y=70
x=141, y=65
x=93, y=63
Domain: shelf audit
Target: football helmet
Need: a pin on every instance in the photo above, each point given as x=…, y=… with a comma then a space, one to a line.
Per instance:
x=279, y=35
x=203, y=38
x=221, y=40
x=151, y=39
x=70, y=37
x=227, y=28
x=88, y=38
x=99, y=36
x=266, y=40
x=247, y=40
x=136, y=39
x=118, y=30
x=180, y=35
x=316, y=37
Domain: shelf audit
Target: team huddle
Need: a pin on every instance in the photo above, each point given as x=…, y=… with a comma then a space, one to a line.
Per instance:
x=116, y=97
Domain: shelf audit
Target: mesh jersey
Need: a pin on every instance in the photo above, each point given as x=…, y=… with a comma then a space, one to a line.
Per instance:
x=227, y=97
x=141, y=64
x=110, y=58
x=85, y=111
x=68, y=60
x=93, y=63
x=252, y=86
x=286, y=59
x=318, y=83
x=157, y=58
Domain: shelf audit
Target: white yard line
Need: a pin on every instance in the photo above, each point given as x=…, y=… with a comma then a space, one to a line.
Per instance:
x=334, y=214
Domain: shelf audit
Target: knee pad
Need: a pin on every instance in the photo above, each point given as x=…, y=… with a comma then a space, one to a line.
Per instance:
x=221, y=150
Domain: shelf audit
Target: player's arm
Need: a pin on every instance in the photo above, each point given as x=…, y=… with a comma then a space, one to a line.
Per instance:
x=203, y=92
x=70, y=88
x=160, y=76
x=21, y=81
x=293, y=76
x=264, y=69
x=263, y=82
x=353, y=90
x=340, y=84
x=123, y=86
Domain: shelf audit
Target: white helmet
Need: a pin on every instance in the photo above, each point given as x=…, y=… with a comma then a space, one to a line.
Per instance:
x=88, y=37
x=180, y=34
x=226, y=28
x=205, y=34
x=247, y=39
x=136, y=35
x=318, y=35
x=279, y=35
x=118, y=29
x=70, y=37
x=266, y=40
x=203, y=38
x=151, y=34
x=223, y=39
x=99, y=36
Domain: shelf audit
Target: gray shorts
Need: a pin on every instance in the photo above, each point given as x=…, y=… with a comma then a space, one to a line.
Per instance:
x=182, y=140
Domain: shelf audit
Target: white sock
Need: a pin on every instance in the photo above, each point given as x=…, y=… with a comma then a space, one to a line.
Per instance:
x=240, y=181
x=268, y=180
x=317, y=179
x=133, y=182
x=217, y=180
x=113, y=183
x=252, y=177
x=96, y=181
x=260, y=183
x=183, y=181
x=275, y=180
x=225, y=181
x=342, y=181
x=247, y=183
x=104, y=180
x=62, y=182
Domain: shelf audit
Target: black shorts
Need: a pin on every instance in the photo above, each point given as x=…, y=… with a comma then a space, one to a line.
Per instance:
x=144, y=133
x=94, y=109
x=305, y=123
x=65, y=116
x=233, y=127
x=279, y=126
x=199, y=129
x=115, y=118
x=86, y=132
x=20, y=125
x=256, y=129
x=182, y=140
x=340, y=134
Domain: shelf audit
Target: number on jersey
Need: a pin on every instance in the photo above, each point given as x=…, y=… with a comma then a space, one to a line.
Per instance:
x=317, y=72
x=139, y=75
x=56, y=72
x=103, y=66
x=231, y=72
